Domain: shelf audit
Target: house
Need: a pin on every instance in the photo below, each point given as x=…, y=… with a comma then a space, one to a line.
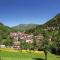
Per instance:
x=2, y=46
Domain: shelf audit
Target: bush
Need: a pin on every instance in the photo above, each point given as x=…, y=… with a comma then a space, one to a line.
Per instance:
x=40, y=49
x=58, y=51
x=53, y=50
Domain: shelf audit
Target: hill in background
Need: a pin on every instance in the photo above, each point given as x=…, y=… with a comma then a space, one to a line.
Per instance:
x=24, y=27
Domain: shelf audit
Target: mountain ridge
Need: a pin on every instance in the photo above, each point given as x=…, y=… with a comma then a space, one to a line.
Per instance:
x=24, y=27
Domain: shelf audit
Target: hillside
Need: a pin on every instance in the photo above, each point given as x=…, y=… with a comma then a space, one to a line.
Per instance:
x=4, y=34
x=5, y=28
x=24, y=27
x=53, y=23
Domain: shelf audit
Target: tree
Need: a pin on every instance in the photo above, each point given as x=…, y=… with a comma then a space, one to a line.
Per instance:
x=8, y=41
x=45, y=44
x=24, y=44
x=55, y=41
x=34, y=43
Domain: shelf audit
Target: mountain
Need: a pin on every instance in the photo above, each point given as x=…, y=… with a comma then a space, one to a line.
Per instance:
x=5, y=28
x=52, y=24
x=24, y=27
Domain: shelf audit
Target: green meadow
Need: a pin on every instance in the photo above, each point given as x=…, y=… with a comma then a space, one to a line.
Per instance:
x=8, y=55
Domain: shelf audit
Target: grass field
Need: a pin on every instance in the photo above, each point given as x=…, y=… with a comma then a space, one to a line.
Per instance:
x=10, y=54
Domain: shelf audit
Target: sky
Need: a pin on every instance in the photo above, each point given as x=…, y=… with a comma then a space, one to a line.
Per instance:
x=15, y=12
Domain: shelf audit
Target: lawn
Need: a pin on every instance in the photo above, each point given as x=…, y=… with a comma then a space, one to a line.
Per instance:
x=23, y=55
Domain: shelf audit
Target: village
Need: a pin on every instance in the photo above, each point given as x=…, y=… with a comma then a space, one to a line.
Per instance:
x=21, y=36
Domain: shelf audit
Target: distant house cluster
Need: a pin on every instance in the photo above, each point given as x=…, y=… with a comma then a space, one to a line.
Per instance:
x=21, y=36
